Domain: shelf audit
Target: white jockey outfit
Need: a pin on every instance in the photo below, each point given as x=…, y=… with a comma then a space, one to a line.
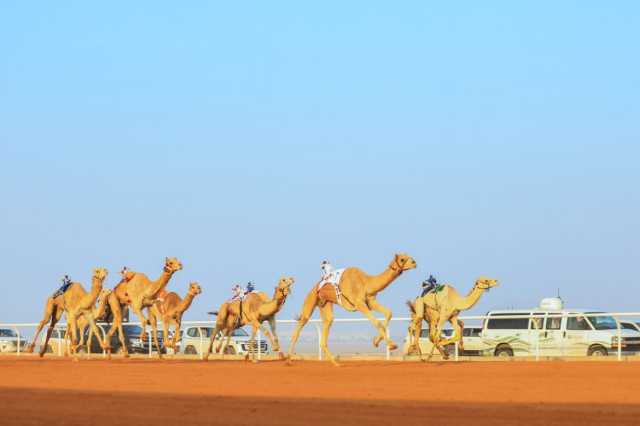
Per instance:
x=330, y=275
x=237, y=293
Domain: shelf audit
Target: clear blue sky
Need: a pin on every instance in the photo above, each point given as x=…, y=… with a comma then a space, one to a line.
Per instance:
x=253, y=140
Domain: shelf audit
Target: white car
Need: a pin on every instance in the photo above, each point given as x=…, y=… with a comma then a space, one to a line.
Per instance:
x=9, y=341
x=551, y=330
x=195, y=341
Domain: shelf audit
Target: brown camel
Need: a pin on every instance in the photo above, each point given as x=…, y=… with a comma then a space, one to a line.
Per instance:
x=138, y=292
x=441, y=306
x=256, y=308
x=76, y=302
x=170, y=310
x=358, y=293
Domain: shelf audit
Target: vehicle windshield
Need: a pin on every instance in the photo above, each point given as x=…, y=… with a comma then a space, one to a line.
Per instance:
x=239, y=333
x=8, y=333
x=603, y=322
x=133, y=329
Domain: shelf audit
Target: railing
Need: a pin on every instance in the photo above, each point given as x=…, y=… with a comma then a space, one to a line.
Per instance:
x=317, y=322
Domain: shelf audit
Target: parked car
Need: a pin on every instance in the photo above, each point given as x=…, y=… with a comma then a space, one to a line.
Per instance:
x=552, y=330
x=630, y=325
x=195, y=341
x=9, y=341
x=131, y=338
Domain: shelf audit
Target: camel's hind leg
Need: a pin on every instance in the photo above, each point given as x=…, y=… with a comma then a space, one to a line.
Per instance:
x=116, y=311
x=374, y=305
x=308, y=307
x=56, y=314
x=214, y=333
x=326, y=313
x=154, y=329
x=48, y=312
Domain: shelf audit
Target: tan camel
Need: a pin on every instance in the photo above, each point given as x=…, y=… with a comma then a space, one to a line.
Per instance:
x=439, y=307
x=358, y=293
x=76, y=301
x=170, y=310
x=139, y=292
x=255, y=309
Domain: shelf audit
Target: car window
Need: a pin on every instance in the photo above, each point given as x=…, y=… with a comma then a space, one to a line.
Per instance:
x=628, y=326
x=240, y=332
x=424, y=333
x=192, y=332
x=578, y=323
x=496, y=323
x=474, y=332
x=553, y=323
x=7, y=333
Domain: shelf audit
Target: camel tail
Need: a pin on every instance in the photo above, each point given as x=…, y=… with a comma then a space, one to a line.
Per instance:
x=412, y=306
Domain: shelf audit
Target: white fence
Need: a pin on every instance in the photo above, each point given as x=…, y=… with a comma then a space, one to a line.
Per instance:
x=316, y=323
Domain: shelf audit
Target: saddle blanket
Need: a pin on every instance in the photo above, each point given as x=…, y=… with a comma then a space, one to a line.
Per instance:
x=334, y=279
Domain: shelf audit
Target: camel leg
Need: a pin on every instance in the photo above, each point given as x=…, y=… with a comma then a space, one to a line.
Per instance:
x=73, y=326
x=114, y=305
x=308, y=307
x=374, y=305
x=275, y=344
x=154, y=329
x=211, y=340
x=176, y=334
x=383, y=332
x=436, y=325
x=94, y=330
x=457, y=331
x=89, y=340
x=48, y=312
x=417, y=333
x=225, y=339
x=255, y=326
x=165, y=332
x=326, y=313
x=56, y=314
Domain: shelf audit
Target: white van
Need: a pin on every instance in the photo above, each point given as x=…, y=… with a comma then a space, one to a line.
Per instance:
x=551, y=330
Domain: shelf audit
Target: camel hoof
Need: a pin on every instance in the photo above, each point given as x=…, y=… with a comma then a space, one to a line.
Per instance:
x=393, y=346
x=377, y=340
x=281, y=355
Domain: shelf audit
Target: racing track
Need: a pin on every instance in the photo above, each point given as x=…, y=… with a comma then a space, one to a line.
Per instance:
x=133, y=392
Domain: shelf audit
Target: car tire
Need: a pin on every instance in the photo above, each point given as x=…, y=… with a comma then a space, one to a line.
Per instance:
x=190, y=350
x=597, y=351
x=504, y=352
x=229, y=350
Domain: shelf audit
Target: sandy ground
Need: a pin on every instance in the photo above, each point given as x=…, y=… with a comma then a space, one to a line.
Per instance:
x=186, y=392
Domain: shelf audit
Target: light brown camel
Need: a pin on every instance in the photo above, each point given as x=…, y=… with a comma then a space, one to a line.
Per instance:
x=439, y=307
x=256, y=308
x=358, y=293
x=170, y=310
x=76, y=301
x=138, y=292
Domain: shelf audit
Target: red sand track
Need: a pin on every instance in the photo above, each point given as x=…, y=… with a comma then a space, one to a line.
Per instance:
x=185, y=392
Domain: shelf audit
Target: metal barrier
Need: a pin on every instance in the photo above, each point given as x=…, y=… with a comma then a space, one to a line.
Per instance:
x=317, y=322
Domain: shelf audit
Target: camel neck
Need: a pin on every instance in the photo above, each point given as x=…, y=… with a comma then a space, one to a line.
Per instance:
x=186, y=302
x=382, y=281
x=102, y=304
x=471, y=299
x=162, y=281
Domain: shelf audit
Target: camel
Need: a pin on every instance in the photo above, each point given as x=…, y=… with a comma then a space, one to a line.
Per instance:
x=358, y=293
x=441, y=306
x=139, y=292
x=170, y=310
x=53, y=310
x=76, y=302
x=256, y=308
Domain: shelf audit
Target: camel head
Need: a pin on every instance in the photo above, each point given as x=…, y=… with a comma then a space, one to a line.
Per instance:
x=402, y=262
x=484, y=283
x=171, y=265
x=194, y=288
x=99, y=274
x=105, y=292
x=284, y=285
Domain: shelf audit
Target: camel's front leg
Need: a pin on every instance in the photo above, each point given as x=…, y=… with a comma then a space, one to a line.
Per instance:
x=308, y=307
x=457, y=326
x=94, y=330
x=176, y=334
x=326, y=313
x=276, y=343
x=416, y=329
x=168, y=343
x=73, y=326
x=374, y=305
x=381, y=330
x=253, y=344
x=212, y=338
